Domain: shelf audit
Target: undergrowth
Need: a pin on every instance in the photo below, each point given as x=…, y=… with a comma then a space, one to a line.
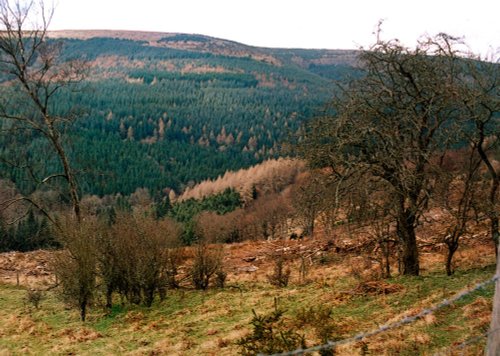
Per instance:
x=212, y=321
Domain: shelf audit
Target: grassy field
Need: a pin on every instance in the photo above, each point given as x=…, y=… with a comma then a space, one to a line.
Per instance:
x=190, y=322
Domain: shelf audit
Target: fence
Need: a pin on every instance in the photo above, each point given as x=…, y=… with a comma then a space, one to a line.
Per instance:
x=410, y=319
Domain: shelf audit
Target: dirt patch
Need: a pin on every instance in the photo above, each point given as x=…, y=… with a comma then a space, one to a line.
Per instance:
x=29, y=268
x=322, y=259
x=377, y=287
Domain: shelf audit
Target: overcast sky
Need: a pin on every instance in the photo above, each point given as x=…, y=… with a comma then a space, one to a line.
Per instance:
x=329, y=24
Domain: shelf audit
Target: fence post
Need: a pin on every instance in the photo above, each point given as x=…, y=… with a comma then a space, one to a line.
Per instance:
x=494, y=334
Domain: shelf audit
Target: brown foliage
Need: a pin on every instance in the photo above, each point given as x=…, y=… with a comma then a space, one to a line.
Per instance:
x=136, y=259
x=271, y=176
x=76, y=265
x=213, y=227
x=207, y=263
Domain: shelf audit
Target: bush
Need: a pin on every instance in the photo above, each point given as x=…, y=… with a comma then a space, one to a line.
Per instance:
x=280, y=276
x=136, y=257
x=207, y=261
x=34, y=297
x=76, y=265
x=220, y=278
x=270, y=335
x=320, y=319
x=175, y=257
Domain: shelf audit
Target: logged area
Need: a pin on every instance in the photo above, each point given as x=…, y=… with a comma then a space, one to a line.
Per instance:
x=179, y=194
x=334, y=287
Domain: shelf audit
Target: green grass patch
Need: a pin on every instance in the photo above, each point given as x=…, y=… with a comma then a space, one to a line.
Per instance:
x=196, y=322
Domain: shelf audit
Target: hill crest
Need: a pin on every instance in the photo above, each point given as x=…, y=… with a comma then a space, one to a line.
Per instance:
x=218, y=46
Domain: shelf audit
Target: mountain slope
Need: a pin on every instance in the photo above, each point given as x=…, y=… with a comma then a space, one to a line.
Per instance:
x=166, y=110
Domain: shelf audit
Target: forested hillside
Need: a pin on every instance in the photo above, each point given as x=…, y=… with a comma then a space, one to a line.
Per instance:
x=168, y=110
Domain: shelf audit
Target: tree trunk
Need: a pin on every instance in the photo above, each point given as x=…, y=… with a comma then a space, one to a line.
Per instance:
x=495, y=185
x=109, y=297
x=449, y=259
x=407, y=236
x=386, y=263
x=68, y=171
x=493, y=214
x=83, y=309
x=495, y=233
x=311, y=226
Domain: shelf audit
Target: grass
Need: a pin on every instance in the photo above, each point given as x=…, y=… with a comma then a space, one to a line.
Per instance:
x=192, y=322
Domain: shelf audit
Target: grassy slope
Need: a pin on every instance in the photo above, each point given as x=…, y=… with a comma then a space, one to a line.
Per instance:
x=191, y=322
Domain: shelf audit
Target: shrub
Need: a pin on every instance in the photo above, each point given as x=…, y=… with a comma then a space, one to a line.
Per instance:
x=34, y=297
x=270, y=335
x=76, y=265
x=136, y=258
x=220, y=278
x=175, y=257
x=280, y=276
x=207, y=261
x=320, y=319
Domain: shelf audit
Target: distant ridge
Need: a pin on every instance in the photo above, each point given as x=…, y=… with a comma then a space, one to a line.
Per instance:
x=203, y=43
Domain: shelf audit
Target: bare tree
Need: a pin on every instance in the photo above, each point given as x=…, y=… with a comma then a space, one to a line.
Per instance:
x=456, y=193
x=391, y=126
x=480, y=95
x=35, y=73
x=215, y=228
x=134, y=257
x=308, y=199
x=76, y=265
x=207, y=262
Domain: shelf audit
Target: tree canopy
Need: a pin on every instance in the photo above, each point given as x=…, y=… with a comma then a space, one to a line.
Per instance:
x=389, y=130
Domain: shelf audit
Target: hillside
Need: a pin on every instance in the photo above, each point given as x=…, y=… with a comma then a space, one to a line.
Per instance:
x=164, y=110
x=339, y=292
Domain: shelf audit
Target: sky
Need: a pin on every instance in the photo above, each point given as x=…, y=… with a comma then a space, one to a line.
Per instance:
x=331, y=24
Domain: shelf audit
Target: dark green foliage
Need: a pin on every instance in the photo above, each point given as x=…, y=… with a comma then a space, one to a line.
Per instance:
x=184, y=37
x=338, y=72
x=281, y=275
x=320, y=319
x=270, y=335
x=95, y=47
x=31, y=233
x=185, y=211
x=144, y=126
x=162, y=207
x=222, y=203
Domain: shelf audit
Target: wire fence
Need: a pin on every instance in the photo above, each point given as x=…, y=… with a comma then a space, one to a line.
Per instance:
x=393, y=325
x=468, y=342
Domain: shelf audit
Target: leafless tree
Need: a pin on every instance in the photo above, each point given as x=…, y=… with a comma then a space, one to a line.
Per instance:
x=215, y=228
x=480, y=102
x=456, y=194
x=76, y=265
x=391, y=126
x=308, y=197
x=207, y=262
x=135, y=257
x=35, y=73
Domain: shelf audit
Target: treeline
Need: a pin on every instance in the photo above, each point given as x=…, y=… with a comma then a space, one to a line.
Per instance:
x=31, y=233
x=269, y=176
x=248, y=204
